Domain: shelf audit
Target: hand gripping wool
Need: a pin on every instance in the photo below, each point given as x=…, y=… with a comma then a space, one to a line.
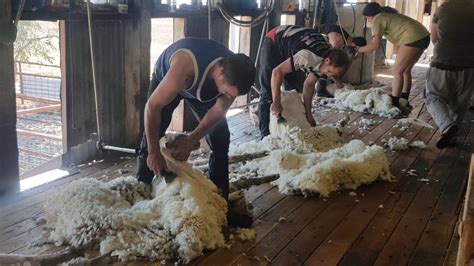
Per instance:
x=375, y=100
x=295, y=133
x=176, y=220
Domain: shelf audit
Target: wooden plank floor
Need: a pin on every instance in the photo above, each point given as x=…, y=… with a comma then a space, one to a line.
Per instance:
x=388, y=223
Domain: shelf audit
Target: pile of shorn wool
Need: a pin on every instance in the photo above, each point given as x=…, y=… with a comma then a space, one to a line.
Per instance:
x=346, y=167
x=313, y=160
x=124, y=218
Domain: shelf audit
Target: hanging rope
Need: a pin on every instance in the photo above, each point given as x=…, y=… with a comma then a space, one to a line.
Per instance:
x=209, y=14
x=94, y=80
x=18, y=13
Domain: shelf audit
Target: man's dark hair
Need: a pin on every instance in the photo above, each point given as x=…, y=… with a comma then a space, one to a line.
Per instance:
x=338, y=58
x=239, y=71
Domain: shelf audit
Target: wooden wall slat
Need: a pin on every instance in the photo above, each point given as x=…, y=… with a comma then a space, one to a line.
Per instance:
x=9, y=169
x=466, y=241
x=122, y=54
x=132, y=80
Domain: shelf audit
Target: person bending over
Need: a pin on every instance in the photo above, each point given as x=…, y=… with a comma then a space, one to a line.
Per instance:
x=296, y=57
x=208, y=76
x=410, y=35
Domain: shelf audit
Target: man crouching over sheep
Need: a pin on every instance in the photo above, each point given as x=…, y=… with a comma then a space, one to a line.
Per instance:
x=208, y=76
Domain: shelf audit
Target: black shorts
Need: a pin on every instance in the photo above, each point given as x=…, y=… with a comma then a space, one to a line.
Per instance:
x=422, y=43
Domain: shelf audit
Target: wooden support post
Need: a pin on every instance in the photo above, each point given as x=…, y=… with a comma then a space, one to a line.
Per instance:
x=392, y=49
x=255, y=35
x=421, y=11
x=177, y=121
x=9, y=170
x=244, y=47
x=65, y=97
x=137, y=40
x=183, y=119
x=412, y=9
x=466, y=228
x=275, y=16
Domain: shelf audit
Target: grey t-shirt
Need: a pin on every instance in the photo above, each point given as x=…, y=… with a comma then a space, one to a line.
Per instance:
x=455, y=46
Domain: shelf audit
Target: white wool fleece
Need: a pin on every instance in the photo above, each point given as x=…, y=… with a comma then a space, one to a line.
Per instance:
x=375, y=100
x=181, y=220
x=348, y=167
x=312, y=160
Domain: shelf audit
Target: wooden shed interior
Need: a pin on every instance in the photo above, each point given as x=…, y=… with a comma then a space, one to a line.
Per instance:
x=422, y=220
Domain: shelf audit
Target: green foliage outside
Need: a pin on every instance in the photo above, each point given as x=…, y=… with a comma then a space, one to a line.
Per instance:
x=35, y=42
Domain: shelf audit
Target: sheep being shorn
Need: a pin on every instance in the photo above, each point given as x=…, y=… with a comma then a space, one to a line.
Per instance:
x=173, y=221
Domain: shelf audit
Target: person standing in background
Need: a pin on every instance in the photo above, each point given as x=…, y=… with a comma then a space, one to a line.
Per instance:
x=450, y=78
x=410, y=35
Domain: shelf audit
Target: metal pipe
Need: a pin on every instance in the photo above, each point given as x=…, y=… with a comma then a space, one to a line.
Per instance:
x=264, y=31
x=120, y=149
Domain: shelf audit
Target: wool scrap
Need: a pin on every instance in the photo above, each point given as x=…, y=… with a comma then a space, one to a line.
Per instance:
x=397, y=144
x=414, y=121
x=418, y=144
x=245, y=234
x=375, y=100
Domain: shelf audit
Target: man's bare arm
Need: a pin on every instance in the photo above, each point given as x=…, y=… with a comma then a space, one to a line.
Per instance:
x=277, y=79
x=182, y=147
x=308, y=93
x=374, y=45
x=212, y=117
x=173, y=82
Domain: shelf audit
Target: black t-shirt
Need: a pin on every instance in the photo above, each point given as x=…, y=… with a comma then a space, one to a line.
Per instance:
x=306, y=47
